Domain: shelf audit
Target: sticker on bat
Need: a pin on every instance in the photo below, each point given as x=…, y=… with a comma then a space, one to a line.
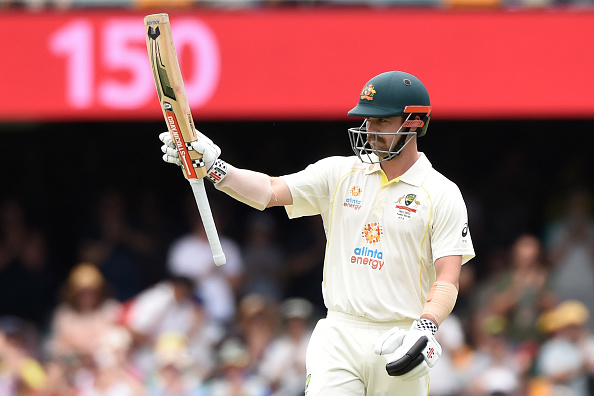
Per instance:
x=153, y=33
x=179, y=143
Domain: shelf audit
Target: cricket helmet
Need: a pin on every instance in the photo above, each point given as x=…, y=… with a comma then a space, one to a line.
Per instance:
x=389, y=94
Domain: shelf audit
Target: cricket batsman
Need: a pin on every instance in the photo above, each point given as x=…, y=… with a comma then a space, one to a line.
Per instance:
x=397, y=236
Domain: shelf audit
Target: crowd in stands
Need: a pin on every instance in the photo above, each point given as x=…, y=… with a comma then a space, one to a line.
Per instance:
x=523, y=324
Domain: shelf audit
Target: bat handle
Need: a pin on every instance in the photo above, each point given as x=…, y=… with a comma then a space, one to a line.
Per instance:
x=208, y=221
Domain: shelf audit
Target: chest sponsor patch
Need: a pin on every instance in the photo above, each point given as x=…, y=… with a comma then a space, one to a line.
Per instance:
x=406, y=206
x=353, y=199
x=374, y=258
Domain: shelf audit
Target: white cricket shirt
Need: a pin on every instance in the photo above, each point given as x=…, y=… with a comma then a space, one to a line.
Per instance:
x=382, y=237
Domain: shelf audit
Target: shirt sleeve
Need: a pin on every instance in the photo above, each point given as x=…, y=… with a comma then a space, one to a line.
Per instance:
x=450, y=235
x=310, y=189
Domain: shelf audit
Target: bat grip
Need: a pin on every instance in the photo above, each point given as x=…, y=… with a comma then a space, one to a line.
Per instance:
x=207, y=220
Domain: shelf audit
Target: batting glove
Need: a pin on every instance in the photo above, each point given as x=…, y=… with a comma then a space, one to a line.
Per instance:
x=216, y=168
x=410, y=353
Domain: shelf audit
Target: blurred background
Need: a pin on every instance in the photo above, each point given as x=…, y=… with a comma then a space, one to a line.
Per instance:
x=107, y=286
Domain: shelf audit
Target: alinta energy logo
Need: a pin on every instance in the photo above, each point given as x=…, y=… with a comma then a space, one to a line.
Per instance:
x=373, y=233
x=374, y=258
x=353, y=200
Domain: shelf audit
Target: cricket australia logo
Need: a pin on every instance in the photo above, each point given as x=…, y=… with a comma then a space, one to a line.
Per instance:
x=353, y=201
x=368, y=92
x=406, y=206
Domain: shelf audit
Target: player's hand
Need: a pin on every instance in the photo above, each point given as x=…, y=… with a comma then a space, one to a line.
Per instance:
x=203, y=145
x=215, y=167
x=170, y=154
x=410, y=354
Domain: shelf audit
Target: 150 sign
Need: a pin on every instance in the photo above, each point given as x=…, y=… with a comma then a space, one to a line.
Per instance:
x=107, y=65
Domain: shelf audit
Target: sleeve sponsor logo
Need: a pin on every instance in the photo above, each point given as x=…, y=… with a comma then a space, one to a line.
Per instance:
x=465, y=233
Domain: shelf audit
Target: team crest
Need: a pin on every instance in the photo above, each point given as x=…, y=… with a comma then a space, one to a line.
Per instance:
x=410, y=198
x=372, y=233
x=368, y=92
x=406, y=206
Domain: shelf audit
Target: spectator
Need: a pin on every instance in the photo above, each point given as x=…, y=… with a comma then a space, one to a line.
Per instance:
x=234, y=377
x=498, y=381
x=283, y=363
x=257, y=325
x=170, y=308
x=566, y=356
x=191, y=256
x=494, y=367
x=176, y=369
x=522, y=291
x=305, y=260
x=447, y=377
x=116, y=246
x=24, y=266
x=59, y=378
x=20, y=372
x=85, y=313
x=570, y=243
x=264, y=259
x=112, y=374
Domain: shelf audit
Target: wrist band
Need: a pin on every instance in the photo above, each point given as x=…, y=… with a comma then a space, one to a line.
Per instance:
x=426, y=324
x=217, y=171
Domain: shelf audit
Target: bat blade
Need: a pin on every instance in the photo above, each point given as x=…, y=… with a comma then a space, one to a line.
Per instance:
x=176, y=111
x=171, y=91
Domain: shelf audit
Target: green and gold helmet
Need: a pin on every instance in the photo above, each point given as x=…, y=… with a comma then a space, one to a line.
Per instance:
x=389, y=94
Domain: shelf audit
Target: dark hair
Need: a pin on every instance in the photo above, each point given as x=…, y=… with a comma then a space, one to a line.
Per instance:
x=182, y=281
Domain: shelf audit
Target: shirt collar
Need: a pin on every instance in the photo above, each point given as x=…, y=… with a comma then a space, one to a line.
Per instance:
x=414, y=175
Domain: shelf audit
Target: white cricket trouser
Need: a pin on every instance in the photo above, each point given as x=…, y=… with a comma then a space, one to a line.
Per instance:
x=341, y=360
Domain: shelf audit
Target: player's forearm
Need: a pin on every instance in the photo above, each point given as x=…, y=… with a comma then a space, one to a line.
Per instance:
x=255, y=189
x=440, y=302
x=444, y=292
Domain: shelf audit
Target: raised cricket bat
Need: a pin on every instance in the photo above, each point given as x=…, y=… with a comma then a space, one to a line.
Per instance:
x=176, y=110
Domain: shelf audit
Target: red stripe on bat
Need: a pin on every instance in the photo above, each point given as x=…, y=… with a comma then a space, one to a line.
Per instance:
x=180, y=144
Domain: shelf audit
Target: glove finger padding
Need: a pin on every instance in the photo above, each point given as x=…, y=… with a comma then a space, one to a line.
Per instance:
x=165, y=137
x=390, y=341
x=417, y=372
x=202, y=145
x=170, y=151
x=415, y=356
x=171, y=159
x=411, y=359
